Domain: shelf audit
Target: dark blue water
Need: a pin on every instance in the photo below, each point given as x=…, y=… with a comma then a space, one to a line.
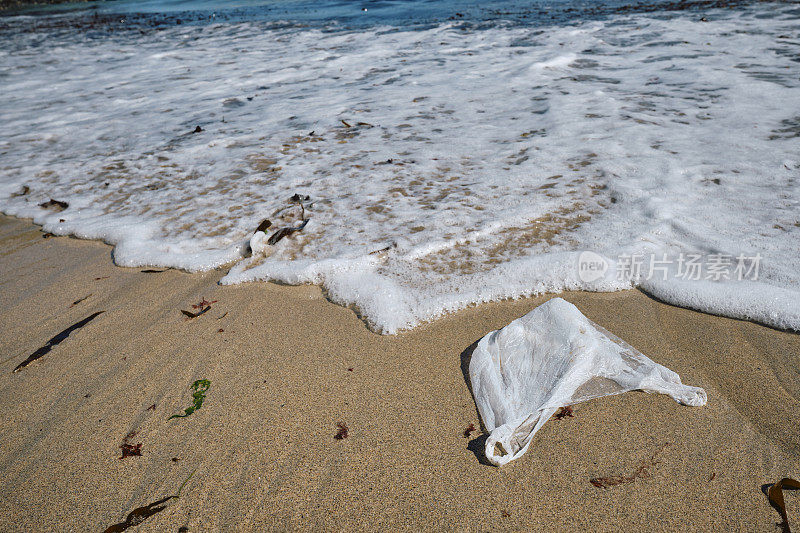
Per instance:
x=354, y=14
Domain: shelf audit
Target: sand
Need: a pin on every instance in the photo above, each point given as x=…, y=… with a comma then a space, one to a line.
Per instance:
x=279, y=359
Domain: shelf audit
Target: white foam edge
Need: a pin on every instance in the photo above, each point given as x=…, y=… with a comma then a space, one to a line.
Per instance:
x=766, y=304
x=389, y=307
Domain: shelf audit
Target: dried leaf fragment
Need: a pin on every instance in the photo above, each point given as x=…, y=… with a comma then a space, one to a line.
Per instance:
x=775, y=496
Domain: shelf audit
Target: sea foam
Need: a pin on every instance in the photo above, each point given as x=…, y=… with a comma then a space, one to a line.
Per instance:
x=446, y=166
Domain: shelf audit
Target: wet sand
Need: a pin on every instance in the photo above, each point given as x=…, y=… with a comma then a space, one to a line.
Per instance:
x=279, y=360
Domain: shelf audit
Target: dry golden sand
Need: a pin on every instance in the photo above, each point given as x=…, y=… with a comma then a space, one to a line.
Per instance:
x=262, y=445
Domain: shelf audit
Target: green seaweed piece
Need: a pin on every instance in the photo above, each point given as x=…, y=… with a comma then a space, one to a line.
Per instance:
x=200, y=387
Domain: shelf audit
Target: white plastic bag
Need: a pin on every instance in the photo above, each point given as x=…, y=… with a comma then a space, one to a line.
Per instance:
x=550, y=358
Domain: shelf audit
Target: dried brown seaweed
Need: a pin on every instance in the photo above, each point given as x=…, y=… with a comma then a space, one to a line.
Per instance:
x=266, y=223
x=346, y=124
x=128, y=449
x=151, y=271
x=79, y=300
x=285, y=232
x=140, y=514
x=190, y=315
x=642, y=472
x=775, y=496
x=57, y=204
x=342, y=431
x=55, y=341
x=563, y=413
x=203, y=303
x=469, y=430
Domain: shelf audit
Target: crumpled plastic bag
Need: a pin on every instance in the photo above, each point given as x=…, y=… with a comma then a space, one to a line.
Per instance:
x=555, y=357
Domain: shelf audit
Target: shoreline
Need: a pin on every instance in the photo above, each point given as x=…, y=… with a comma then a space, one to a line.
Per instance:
x=262, y=446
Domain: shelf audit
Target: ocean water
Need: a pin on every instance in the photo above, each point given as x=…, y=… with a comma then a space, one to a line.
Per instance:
x=452, y=153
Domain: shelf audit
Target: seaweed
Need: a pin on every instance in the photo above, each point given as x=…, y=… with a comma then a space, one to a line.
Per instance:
x=58, y=204
x=563, y=413
x=642, y=472
x=342, y=431
x=151, y=271
x=266, y=223
x=469, y=430
x=128, y=449
x=102, y=277
x=203, y=303
x=775, y=497
x=298, y=198
x=285, y=232
x=47, y=235
x=346, y=124
x=384, y=249
x=79, y=300
x=140, y=514
x=190, y=315
x=152, y=407
x=198, y=129
x=25, y=190
x=55, y=341
x=203, y=307
x=200, y=387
